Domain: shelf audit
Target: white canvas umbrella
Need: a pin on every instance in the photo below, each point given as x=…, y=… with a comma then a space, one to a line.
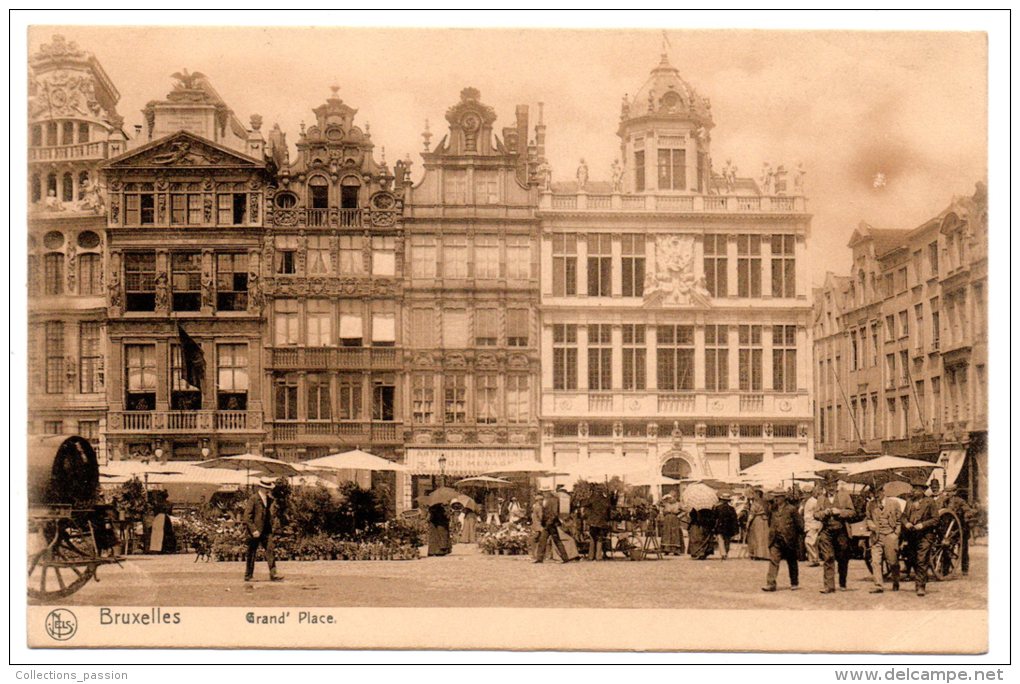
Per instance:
x=251, y=462
x=355, y=460
x=525, y=467
x=791, y=467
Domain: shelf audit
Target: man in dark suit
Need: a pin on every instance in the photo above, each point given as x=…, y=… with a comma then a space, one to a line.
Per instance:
x=786, y=527
x=259, y=512
x=725, y=524
x=835, y=508
x=596, y=514
x=920, y=517
x=550, y=527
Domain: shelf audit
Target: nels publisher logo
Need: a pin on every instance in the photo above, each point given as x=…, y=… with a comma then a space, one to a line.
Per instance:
x=61, y=624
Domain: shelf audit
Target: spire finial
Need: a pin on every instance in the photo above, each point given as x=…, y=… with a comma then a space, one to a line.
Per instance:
x=335, y=89
x=426, y=135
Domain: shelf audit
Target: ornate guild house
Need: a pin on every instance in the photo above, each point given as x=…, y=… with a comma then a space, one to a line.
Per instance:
x=674, y=301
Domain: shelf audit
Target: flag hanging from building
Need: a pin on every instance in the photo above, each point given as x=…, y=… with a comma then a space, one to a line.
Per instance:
x=193, y=358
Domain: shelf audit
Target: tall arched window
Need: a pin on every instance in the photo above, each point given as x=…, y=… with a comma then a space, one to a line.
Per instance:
x=318, y=193
x=83, y=180
x=51, y=185
x=67, y=187
x=36, y=188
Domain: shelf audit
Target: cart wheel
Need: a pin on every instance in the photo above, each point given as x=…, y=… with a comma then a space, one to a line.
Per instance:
x=58, y=565
x=945, y=554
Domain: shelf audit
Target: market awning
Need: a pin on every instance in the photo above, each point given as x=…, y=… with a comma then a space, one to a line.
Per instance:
x=953, y=460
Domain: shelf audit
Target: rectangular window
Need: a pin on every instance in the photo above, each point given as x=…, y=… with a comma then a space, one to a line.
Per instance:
x=517, y=327
x=286, y=254
x=853, y=350
x=140, y=372
x=784, y=272
x=67, y=131
x=285, y=322
x=90, y=274
x=672, y=169
x=384, y=329
x=231, y=282
x=51, y=134
x=518, y=257
x=286, y=397
x=749, y=355
x=140, y=281
x=518, y=399
x=349, y=395
x=904, y=367
x=317, y=396
x=455, y=256
x=232, y=209
x=351, y=329
x=54, y=357
x=901, y=279
x=933, y=259
x=717, y=356
x=455, y=329
x=90, y=357
x=423, y=256
x=890, y=370
x=564, y=264
x=600, y=357
x=183, y=395
x=487, y=399
x=320, y=261
x=564, y=356
x=486, y=257
x=139, y=209
x=633, y=265
x=486, y=192
x=784, y=358
x=890, y=327
x=600, y=265
x=352, y=255
x=486, y=327
x=53, y=267
x=748, y=266
x=423, y=399
x=715, y=265
x=53, y=427
x=186, y=209
x=89, y=429
x=319, y=322
x=634, y=357
x=918, y=325
x=639, y=171
x=455, y=188
x=186, y=281
x=675, y=357
x=455, y=397
x=874, y=345
x=904, y=324
x=384, y=256
x=232, y=377
x=423, y=328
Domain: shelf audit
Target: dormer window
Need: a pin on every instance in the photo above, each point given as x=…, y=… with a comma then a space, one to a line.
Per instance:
x=349, y=188
x=672, y=169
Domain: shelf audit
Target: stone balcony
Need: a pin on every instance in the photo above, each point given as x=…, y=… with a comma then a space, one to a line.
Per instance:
x=662, y=404
x=183, y=422
x=695, y=204
x=90, y=151
x=351, y=432
x=354, y=358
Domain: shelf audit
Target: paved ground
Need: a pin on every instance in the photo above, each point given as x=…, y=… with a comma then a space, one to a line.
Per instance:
x=470, y=579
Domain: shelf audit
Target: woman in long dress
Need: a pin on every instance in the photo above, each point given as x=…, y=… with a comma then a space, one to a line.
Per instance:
x=672, y=534
x=699, y=533
x=757, y=527
x=468, y=535
x=439, y=530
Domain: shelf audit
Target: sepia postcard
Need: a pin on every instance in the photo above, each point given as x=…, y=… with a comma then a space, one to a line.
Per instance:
x=336, y=334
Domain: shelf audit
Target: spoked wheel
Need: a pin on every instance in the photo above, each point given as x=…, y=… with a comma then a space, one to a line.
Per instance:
x=945, y=554
x=61, y=560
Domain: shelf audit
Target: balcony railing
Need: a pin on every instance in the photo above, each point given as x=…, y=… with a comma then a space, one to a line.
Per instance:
x=349, y=430
x=89, y=150
x=332, y=357
x=674, y=203
x=752, y=403
x=318, y=218
x=600, y=403
x=183, y=421
x=676, y=403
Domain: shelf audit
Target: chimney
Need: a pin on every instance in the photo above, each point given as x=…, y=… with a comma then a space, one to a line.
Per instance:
x=522, y=127
x=540, y=134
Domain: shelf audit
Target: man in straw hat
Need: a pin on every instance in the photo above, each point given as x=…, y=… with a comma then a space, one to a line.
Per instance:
x=919, y=520
x=725, y=524
x=883, y=522
x=259, y=512
x=834, y=509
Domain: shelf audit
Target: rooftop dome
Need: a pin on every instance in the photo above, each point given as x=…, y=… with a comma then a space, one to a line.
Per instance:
x=666, y=94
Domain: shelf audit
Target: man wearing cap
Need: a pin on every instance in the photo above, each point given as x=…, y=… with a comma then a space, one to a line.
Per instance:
x=725, y=524
x=919, y=520
x=785, y=530
x=833, y=510
x=259, y=512
x=883, y=521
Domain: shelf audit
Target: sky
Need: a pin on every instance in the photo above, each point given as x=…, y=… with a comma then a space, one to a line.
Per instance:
x=909, y=108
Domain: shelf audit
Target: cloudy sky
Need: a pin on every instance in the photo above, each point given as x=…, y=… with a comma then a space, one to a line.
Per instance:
x=849, y=105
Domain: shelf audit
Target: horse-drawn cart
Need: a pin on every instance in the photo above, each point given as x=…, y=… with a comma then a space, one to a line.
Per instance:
x=69, y=532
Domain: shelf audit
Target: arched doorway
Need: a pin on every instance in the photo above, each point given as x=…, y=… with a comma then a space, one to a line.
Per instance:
x=678, y=467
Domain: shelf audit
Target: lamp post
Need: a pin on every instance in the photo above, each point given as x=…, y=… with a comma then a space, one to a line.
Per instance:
x=944, y=463
x=442, y=470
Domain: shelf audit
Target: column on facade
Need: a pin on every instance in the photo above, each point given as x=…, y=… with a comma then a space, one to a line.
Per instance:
x=733, y=350
x=545, y=265
x=699, y=357
x=766, y=266
x=766, y=357
x=617, y=358
x=582, y=265
x=731, y=266
x=582, y=357
x=651, y=342
x=616, y=271
x=162, y=374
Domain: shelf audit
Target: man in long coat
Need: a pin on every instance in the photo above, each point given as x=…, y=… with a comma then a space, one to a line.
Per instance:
x=786, y=527
x=596, y=514
x=725, y=524
x=919, y=520
x=550, y=527
x=259, y=512
x=834, y=509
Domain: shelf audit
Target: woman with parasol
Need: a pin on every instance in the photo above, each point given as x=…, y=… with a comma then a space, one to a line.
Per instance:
x=700, y=498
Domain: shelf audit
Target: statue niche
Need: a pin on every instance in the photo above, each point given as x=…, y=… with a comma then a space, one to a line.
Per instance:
x=671, y=280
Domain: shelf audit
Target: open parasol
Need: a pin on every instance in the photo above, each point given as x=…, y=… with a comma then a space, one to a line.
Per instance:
x=884, y=468
x=484, y=482
x=443, y=495
x=699, y=496
x=249, y=463
x=465, y=501
x=896, y=488
x=524, y=467
x=355, y=460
